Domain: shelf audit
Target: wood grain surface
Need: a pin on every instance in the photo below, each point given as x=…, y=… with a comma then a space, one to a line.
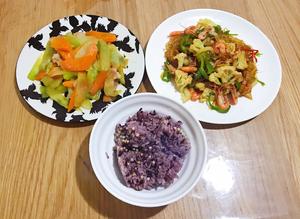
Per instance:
x=253, y=170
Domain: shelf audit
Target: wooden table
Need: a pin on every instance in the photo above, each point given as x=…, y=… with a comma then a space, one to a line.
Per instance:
x=253, y=170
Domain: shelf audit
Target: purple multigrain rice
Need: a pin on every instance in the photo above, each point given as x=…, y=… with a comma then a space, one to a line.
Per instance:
x=150, y=150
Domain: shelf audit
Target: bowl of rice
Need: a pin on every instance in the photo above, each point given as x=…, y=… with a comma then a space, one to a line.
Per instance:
x=147, y=150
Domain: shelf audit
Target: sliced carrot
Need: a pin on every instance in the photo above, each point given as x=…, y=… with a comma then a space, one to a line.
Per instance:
x=74, y=51
x=68, y=55
x=69, y=84
x=64, y=54
x=59, y=43
x=99, y=82
x=72, y=101
x=83, y=63
x=40, y=75
x=107, y=37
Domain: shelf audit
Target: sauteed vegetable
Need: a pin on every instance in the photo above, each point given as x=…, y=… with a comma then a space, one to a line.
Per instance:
x=75, y=68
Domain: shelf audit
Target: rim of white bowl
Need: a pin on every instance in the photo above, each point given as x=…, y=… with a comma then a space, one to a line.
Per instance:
x=125, y=194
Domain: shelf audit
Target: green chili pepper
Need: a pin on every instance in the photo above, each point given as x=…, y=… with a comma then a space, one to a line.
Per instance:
x=185, y=41
x=206, y=67
x=209, y=67
x=201, y=74
x=165, y=76
x=238, y=85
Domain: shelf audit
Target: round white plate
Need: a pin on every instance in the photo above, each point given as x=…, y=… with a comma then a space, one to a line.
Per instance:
x=106, y=169
x=127, y=44
x=268, y=65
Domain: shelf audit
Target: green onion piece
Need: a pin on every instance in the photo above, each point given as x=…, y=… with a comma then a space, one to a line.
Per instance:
x=218, y=29
x=258, y=54
x=262, y=83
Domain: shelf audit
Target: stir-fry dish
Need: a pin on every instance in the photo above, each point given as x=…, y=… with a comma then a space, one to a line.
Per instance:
x=75, y=68
x=207, y=63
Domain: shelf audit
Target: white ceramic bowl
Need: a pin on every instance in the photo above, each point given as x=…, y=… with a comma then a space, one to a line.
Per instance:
x=104, y=163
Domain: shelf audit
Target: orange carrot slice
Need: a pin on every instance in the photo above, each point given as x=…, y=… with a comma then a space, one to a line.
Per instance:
x=59, y=43
x=72, y=101
x=68, y=55
x=64, y=54
x=74, y=51
x=83, y=63
x=107, y=37
x=69, y=84
x=99, y=82
x=40, y=75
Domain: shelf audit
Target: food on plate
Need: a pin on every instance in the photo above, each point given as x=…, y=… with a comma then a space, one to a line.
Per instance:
x=207, y=63
x=75, y=68
x=150, y=149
